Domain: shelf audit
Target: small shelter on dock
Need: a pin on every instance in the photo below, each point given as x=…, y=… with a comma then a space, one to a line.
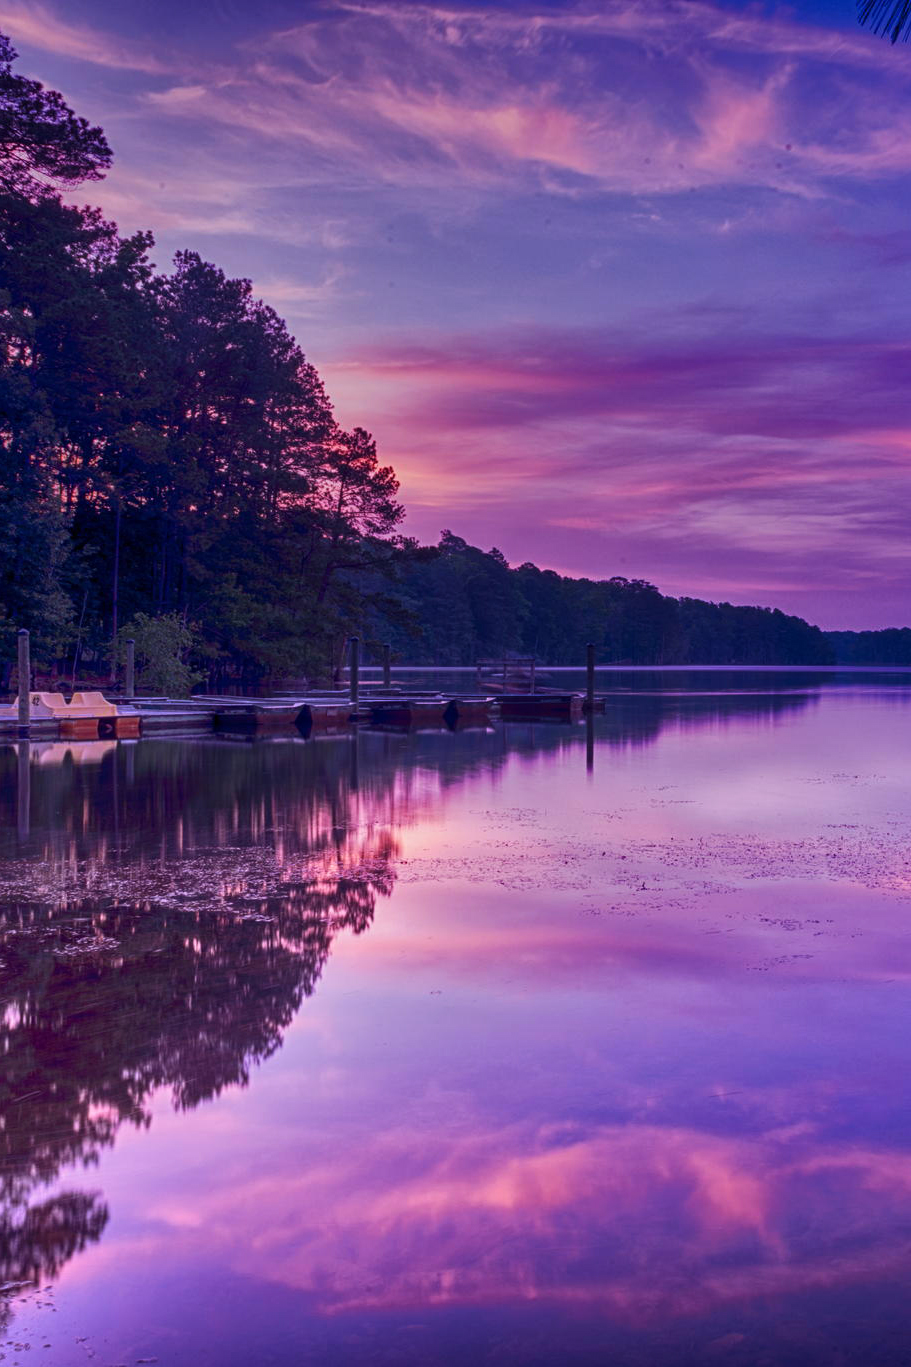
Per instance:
x=512, y=674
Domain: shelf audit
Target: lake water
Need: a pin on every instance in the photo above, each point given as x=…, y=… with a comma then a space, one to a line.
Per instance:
x=506, y=1046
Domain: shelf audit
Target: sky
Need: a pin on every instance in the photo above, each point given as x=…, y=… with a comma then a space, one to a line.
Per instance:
x=620, y=286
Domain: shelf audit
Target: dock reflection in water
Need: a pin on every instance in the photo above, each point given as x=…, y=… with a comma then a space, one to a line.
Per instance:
x=459, y=1052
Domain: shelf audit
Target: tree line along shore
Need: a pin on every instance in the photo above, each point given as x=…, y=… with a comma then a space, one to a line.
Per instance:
x=173, y=471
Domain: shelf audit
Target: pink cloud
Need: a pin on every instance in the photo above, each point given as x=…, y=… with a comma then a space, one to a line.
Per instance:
x=42, y=27
x=652, y=424
x=692, y=448
x=412, y=95
x=666, y=1221
x=774, y=451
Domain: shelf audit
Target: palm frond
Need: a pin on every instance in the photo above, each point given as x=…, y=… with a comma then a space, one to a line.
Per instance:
x=891, y=18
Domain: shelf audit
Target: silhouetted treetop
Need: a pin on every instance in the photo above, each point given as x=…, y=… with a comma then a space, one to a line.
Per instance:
x=169, y=452
x=463, y=604
x=44, y=146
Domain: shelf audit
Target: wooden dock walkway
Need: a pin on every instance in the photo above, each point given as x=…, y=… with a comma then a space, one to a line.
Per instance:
x=509, y=688
x=308, y=714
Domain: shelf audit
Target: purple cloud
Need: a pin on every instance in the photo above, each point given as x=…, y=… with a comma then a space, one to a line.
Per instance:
x=755, y=457
x=619, y=286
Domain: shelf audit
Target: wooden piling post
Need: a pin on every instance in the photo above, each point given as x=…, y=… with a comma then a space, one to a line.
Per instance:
x=590, y=677
x=25, y=683
x=23, y=789
x=355, y=760
x=354, y=665
x=129, y=683
x=531, y=679
x=387, y=666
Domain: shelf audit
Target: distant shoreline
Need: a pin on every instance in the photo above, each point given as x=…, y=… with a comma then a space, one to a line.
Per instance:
x=663, y=669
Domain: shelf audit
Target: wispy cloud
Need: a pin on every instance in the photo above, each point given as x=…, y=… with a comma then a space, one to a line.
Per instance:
x=777, y=452
x=43, y=27
x=683, y=1220
x=299, y=300
x=630, y=97
x=529, y=176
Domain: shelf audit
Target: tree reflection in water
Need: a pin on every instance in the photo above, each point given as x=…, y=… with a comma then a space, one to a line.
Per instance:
x=166, y=907
x=163, y=932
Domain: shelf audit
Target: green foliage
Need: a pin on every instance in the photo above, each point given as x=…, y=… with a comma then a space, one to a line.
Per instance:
x=163, y=648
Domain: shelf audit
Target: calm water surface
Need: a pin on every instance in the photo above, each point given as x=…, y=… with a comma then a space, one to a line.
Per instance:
x=490, y=1047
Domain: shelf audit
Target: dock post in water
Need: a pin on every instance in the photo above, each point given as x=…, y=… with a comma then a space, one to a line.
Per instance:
x=387, y=666
x=355, y=760
x=25, y=683
x=354, y=665
x=129, y=683
x=590, y=677
x=23, y=789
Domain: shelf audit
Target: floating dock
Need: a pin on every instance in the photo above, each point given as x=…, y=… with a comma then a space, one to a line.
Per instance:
x=407, y=712
x=87, y=716
x=541, y=706
x=91, y=716
x=470, y=711
x=254, y=718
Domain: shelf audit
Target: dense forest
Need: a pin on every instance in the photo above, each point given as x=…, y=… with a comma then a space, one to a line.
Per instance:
x=173, y=471
x=458, y=603
x=891, y=646
x=168, y=450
